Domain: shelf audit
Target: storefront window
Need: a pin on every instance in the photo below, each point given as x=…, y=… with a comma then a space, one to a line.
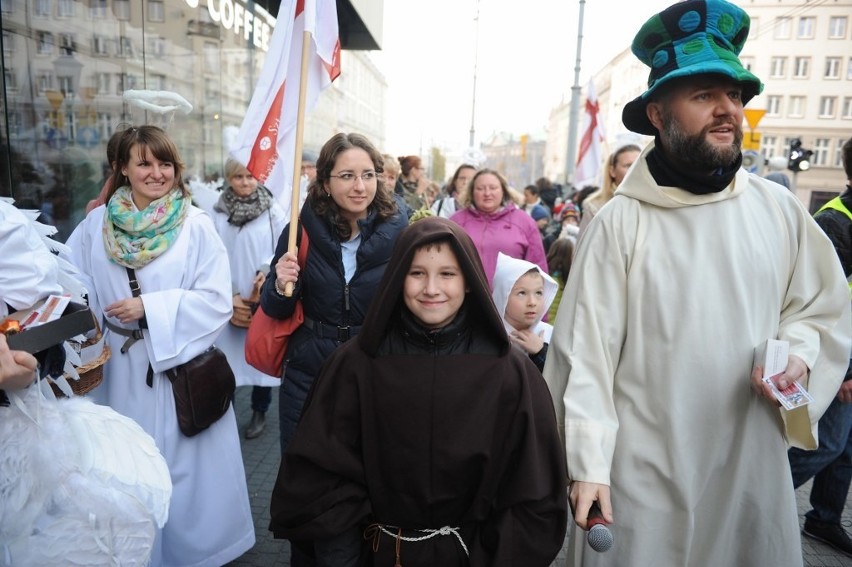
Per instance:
x=67, y=65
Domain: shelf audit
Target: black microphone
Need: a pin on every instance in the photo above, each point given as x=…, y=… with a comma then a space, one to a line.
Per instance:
x=599, y=536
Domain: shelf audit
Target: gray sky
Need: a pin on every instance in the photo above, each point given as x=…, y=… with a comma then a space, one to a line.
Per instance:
x=525, y=63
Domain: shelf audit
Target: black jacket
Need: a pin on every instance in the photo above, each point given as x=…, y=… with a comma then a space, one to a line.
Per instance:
x=424, y=429
x=838, y=227
x=326, y=298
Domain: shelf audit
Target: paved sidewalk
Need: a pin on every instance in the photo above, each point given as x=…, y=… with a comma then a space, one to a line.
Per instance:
x=261, y=457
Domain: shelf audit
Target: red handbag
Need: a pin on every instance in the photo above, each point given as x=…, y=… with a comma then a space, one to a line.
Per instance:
x=268, y=337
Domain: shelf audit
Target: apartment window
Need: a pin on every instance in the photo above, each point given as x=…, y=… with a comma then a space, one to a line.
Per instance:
x=45, y=42
x=125, y=47
x=747, y=62
x=105, y=125
x=104, y=81
x=156, y=11
x=801, y=67
x=157, y=82
x=207, y=132
x=788, y=142
x=767, y=146
x=8, y=42
x=820, y=156
x=67, y=45
x=773, y=105
x=120, y=79
x=754, y=28
x=778, y=68
x=838, y=152
x=42, y=8
x=98, y=9
x=10, y=78
x=65, y=8
x=806, y=27
x=121, y=9
x=210, y=90
x=156, y=47
x=837, y=27
x=827, y=104
x=211, y=56
x=100, y=45
x=797, y=107
x=846, y=109
x=16, y=124
x=44, y=82
x=66, y=85
x=832, y=68
x=783, y=25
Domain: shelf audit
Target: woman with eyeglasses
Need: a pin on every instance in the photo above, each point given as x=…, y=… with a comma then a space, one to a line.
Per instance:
x=351, y=220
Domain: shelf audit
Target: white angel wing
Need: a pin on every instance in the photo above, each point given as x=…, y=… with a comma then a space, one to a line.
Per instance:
x=80, y=484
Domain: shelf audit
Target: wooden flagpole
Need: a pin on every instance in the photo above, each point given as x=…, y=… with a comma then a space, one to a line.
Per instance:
x=297, y=158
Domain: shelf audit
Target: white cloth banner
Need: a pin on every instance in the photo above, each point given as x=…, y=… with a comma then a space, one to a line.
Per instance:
x=267, y=138
x=590, y=155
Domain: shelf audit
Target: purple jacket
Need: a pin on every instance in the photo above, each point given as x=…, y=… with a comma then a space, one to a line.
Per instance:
x=510, y=230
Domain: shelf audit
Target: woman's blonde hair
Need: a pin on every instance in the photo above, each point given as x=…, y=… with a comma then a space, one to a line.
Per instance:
x=466, y=196
x=232, y=167
x=607, y=190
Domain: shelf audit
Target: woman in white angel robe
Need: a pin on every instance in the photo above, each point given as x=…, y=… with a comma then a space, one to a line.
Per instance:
x=251, y=245
x=187, y=297
x=650, y=361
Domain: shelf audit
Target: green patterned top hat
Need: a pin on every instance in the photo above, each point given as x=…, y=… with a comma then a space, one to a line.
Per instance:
x=695, y=37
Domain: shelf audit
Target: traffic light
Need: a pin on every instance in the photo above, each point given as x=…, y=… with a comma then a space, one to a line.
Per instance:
x=799, y=159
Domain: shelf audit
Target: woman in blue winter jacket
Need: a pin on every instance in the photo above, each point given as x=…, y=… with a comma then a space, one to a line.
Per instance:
x=352, y=221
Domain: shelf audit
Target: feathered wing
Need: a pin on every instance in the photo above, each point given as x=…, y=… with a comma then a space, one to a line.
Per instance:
x=79, y=484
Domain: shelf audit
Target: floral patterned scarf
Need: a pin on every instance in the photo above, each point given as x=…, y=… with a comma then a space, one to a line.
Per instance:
x=134, y=238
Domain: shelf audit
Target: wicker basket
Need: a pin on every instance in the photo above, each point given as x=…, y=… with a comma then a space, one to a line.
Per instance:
x=92, y=373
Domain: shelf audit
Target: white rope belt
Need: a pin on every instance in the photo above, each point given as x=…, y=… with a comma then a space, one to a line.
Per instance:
x=446, y=530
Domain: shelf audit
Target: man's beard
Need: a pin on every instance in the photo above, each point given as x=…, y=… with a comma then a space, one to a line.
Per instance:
x=694, y=152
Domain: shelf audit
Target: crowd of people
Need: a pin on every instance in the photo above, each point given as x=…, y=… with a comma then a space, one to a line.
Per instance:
x=480, y=366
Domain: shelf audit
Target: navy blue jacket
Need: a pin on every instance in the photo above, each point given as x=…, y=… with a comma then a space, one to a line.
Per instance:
x=326, y=298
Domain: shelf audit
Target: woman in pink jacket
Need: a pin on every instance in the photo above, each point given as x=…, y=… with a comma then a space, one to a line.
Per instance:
x=496, y=225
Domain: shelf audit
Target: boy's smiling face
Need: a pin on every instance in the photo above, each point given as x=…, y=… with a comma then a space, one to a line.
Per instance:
x=434, y=288
x=525, y=305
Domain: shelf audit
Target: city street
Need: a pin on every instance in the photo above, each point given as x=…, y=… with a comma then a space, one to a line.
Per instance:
x=261, y=458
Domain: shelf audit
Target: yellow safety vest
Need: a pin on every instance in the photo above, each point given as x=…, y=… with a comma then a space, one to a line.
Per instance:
x=838, y=205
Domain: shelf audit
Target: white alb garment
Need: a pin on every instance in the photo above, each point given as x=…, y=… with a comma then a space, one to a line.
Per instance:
x=187, y=298
x=250, y=248
x=650, y=365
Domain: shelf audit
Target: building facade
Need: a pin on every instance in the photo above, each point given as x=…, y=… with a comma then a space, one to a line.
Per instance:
x=802, y=51
x=67, y=65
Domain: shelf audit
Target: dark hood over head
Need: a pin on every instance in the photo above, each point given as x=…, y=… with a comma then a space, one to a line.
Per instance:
x=388, y=299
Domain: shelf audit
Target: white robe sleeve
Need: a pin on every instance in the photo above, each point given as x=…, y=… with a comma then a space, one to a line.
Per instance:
x=815, y=319
x=590, y=358
x=185, y=321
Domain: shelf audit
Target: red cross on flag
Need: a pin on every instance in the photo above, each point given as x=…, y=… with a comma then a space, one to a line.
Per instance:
x=590, y=156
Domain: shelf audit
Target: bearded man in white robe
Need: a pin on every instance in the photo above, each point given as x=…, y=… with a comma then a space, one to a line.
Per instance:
x=691, y=266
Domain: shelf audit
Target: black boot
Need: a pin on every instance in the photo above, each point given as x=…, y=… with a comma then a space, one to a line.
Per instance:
x=256, y=425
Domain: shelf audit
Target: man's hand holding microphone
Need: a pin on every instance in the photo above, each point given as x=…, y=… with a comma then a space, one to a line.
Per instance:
x=592, y=509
